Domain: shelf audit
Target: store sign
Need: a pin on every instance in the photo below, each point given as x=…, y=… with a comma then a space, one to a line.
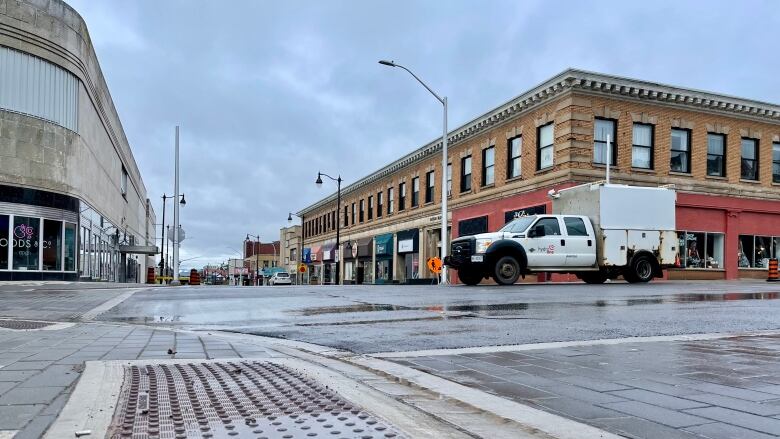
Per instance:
x=381, y=248
x=24, y=239
x=407, y=245
x=517, y=213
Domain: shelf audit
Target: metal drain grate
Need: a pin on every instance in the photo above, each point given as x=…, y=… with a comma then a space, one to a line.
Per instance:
x=23, y=324
x=235, y=400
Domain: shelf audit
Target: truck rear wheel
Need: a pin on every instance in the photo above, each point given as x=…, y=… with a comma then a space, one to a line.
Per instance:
x=469, y=277
x=640, y=270
x=506, y=271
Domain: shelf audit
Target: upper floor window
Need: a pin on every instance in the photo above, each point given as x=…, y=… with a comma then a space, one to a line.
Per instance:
x=776, y=162
x=465, y=174
x=333, y=219
x=449, y=179
x=488, y=166
x=514, y=151
x=642, y=146
x=544, y=154
x=749, y=159
x=604, y=128
x=346, y=217
x=353, y=214
x=390, y=200
x=415, y=191
x=123, y=182
x=402, y=196
x=362, y=210
x=681, y=151
x=716, y=155
x=370, y=207
x=429, y=185
x=379, y=204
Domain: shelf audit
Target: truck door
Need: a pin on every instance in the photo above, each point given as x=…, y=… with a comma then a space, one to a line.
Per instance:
x=548, y=250
x=580, y=243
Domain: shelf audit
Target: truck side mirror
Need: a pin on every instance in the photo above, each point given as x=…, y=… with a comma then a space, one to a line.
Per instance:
x=539, y=231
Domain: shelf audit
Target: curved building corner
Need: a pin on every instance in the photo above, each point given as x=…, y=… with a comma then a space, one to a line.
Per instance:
x=73, y=205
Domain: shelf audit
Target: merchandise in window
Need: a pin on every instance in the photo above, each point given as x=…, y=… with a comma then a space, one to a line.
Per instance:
x=642, y=148
x=604, y=128
x=681, y=147
x=700, y=249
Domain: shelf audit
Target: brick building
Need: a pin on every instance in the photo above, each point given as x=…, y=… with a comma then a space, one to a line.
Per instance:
x=721, y=153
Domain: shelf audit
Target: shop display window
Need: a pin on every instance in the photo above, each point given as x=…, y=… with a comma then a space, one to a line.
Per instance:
x=69, y=247
x=5, y=242
x=52, y=245
x=755, y=251
x=700, y=249
x=26, y=237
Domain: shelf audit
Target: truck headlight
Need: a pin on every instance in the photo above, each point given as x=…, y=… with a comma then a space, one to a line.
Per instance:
x=483, y=244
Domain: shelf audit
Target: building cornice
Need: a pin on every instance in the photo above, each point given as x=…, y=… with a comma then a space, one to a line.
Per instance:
x=577, y=81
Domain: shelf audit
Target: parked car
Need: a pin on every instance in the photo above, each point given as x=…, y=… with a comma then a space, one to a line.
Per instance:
x=280, y=278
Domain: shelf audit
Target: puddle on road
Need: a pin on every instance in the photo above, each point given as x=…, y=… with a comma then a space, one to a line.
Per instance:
x=503, y=309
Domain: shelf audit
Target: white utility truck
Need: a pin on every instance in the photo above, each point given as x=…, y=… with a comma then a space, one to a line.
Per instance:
x=597, y=231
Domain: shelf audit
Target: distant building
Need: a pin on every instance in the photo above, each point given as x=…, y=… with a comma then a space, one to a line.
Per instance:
x=73, y=205
x=290, y=239
x=264, y=255
x=722, y=154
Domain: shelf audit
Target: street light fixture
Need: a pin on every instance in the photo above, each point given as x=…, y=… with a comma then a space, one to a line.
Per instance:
x=338, y=212
x=443, y=101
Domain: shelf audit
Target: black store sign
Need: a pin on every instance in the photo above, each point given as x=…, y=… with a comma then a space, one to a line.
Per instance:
x=473, y=226
x=517, y=213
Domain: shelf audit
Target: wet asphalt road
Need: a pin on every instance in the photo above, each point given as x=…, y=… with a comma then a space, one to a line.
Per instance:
x=368, y=319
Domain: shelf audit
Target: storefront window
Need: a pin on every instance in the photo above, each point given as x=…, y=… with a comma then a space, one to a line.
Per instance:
x=69, y=253
x=700, y=249
x=25, y=243
x=745, y=252
x=5, y=243
x=763, y=249
x=412, y=265
x=52, y=245
x=383, y=272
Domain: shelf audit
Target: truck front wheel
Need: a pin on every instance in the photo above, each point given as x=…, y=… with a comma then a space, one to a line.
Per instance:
x=506, y=271
x=640, y=270
x=469, y=277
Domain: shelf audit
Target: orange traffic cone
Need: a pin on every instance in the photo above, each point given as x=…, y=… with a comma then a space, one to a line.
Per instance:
x=773, y=275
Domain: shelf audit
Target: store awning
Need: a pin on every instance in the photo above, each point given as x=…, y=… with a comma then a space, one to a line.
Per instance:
x=327, y=252
x=384, y=244
x=149, y=250
x=316, y=253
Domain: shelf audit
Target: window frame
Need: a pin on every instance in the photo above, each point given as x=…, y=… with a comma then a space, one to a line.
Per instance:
x=449, y=179
x=776, y=162
x=465, y=179
x=688, y=152
x=485, y=167
x=613, y=141
x=353, y=213
x=651, y=147
x=123, y=184
x=362, y=211
x=401, y=196
x=370, y=207
x=415, y=192
x=430, y=185
x=756, y=161
x=540, y=147
x=722, y=156
x=390, y=200
x=510, y=158
x=379, y=204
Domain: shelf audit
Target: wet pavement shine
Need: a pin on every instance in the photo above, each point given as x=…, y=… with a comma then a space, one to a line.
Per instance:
x=369, y=319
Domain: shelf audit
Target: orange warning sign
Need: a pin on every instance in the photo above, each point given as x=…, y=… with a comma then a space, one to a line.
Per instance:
x=434, y=264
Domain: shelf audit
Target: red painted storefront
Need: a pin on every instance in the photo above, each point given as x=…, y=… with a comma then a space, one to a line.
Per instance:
x=700, y=213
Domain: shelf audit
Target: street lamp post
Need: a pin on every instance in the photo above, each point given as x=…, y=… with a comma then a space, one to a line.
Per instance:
x=176, y=231
x=300, y=251
x=443, y=101
x=163, y=245
x=338, y=214
x=257, y=255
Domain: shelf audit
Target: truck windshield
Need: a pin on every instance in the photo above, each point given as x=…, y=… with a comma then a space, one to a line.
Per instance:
x=518, y=225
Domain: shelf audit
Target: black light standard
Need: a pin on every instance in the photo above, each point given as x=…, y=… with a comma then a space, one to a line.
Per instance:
x=163, y=245
x=303, y=228
x=256, y=251
x=338, y=214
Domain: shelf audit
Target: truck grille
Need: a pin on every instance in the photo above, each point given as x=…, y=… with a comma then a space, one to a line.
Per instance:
x=461, y=251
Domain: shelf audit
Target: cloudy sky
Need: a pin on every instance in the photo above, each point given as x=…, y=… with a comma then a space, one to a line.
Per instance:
x=268, y=93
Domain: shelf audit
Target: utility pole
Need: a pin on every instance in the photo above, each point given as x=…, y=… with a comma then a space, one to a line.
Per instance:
x=176, y=231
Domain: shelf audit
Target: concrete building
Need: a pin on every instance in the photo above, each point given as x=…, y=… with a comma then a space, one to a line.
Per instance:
x=72, y=201
x=722, y=154
x=290, y=243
